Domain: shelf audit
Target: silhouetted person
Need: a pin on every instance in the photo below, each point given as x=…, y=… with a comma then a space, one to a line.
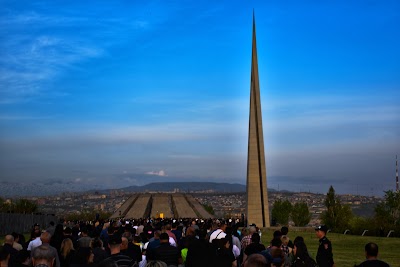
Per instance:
x=371, y=254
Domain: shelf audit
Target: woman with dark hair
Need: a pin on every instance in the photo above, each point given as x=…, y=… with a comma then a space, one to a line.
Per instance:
x=301, y=256
x=224, y=256
x=98, y=250
x=58, y=237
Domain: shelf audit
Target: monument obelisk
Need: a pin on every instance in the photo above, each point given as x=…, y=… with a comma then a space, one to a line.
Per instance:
x=257, y=197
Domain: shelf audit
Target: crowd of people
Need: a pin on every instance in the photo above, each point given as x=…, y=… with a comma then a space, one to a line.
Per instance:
x=161, y=243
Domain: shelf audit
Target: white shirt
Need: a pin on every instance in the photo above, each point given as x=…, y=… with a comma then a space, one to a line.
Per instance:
x=217, y=234
x=34, y=243
x=172, y=241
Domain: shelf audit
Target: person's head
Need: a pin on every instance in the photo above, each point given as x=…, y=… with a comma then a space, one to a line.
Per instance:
x=284, y=230
x=277, y=234
x=223, y=243
x=9, y=239
x=320, y=231
x=96, y=243
x=190, y=231
x=157, y=234
x=124, y=243
x=285, y=240
x=66, y=247
x=278, y=257
x=255, y=260
x=276, y=242
x=252, y=230
x=43, y=255
x=68, y=231
x=223, y=225
x=84, y=231
x=45, y=237
x=114, y=243
x=16, y=236
x=164, y=238
x=300, y=249
x=298, y=239
x=255, y=238
x=371, y=250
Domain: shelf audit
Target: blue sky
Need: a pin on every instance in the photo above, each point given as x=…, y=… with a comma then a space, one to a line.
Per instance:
x=109, y=92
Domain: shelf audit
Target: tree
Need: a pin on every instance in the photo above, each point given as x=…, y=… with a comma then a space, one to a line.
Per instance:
x=336, y=216
x=19, y=206
x=87, y=215
x=209, y=209
x=281, y=211
x=388, y=212
x=25, y=206
x=300, y=214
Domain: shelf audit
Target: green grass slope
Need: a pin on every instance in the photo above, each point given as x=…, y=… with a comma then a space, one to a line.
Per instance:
x=347, y=249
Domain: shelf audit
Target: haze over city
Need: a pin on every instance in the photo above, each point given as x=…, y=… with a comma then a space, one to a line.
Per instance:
x=113, y=94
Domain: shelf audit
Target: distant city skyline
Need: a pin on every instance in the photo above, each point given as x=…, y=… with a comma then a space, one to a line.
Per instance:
x=119, y=93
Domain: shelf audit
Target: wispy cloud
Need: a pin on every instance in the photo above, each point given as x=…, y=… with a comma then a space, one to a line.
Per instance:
x=37, y=48
x=161, y=173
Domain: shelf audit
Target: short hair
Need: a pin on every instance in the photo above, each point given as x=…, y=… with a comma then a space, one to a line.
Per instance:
x=124, y=241
x=277, y=233
x=276, y=242
x=285, y=239
x=164, y=236
x=45, y=237
x=43, y=252
x=255, y=260
x=252, y=229
x=284, y=230
x=9, y=239
x=371, y=249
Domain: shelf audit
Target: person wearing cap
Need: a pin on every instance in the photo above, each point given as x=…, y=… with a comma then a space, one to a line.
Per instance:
x=324, y=254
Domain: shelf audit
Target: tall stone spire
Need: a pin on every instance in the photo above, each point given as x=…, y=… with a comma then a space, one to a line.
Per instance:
x=397, y=177
x=257, y=195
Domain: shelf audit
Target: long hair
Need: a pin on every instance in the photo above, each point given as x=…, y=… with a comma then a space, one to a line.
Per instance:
x=66, y=247
x=301, y=250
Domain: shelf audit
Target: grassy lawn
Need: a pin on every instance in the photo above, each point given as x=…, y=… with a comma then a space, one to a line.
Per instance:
x=347, y=249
